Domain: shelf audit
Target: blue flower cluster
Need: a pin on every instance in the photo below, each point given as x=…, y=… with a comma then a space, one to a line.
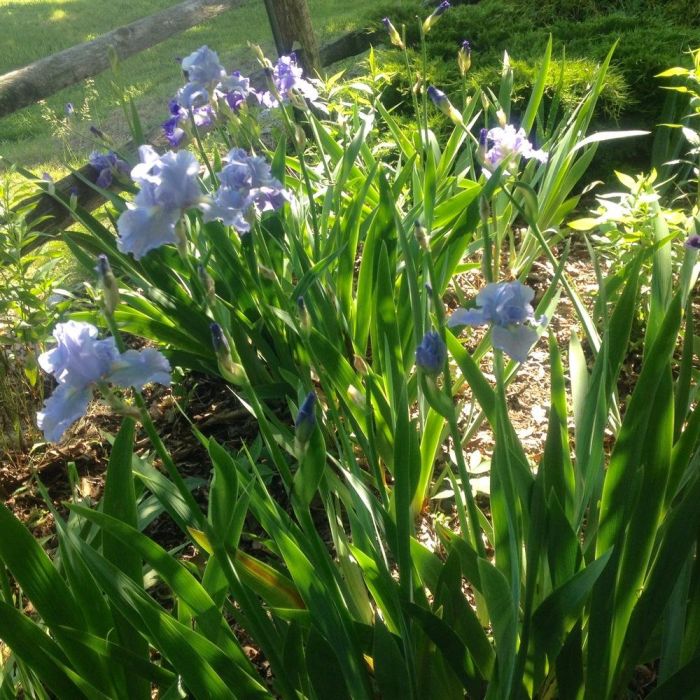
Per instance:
x=107, y=166
x=506, y=306
x=206, y=77
x=287, y=80
x=173, y=130
x=208, y=85
x=247, y=188
x=79, y=362
x=169, y=185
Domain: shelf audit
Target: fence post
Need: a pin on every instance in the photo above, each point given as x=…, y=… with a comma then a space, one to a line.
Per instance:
x=290, y=21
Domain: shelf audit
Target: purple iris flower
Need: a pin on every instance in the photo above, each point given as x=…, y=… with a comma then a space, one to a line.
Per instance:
x=169, y=185
x=235, y=89
x=509, y=144
x=693, y=242
x=246, y=187
x=192, y=95
x=506, y=306
x=431, y=354
x=180, y=117
x=287, y=78
x=107, y=165
x=79, y=362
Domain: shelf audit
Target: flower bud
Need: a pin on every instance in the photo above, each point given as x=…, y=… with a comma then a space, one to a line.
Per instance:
x=305, y=421
x=484, y=209
x=440, y=100
x=299, y=137
x=464, y=57
x=107, y=284
x=483, y=144
x=501, y=117
x=431, y=354
x=230, y=370
x=693, y=242
x=435, y=16
x=394, y=36
x=421, y=235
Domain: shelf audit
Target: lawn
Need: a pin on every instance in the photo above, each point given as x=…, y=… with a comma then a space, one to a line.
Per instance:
x=33, y=29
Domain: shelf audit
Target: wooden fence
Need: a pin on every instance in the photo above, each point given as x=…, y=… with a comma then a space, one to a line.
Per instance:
x=291, y=29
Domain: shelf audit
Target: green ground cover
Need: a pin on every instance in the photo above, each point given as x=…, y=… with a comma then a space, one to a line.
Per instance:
x=52, y=25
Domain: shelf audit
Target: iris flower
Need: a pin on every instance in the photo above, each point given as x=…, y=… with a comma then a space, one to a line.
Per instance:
x=80, y=362
x=506, y=306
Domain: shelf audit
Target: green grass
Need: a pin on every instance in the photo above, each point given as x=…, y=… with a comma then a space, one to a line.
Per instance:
x=33, y=29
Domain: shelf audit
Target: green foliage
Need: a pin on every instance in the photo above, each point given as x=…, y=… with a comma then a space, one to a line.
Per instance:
x=652, y=36
x=584, y=565
x=27, y=311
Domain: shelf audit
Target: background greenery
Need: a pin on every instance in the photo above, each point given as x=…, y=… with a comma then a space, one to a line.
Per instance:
x=53, y=25
x=652, y=35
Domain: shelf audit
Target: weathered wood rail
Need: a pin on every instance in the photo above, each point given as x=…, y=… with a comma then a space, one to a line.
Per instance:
x=25, y=86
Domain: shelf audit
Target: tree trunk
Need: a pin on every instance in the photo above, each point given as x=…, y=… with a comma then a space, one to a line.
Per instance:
x=292, y=30
x=44, y=77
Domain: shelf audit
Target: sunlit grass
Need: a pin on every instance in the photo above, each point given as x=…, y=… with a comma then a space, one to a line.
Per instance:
x=33, y=29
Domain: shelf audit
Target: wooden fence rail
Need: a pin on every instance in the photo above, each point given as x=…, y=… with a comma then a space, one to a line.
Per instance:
x=25, y=86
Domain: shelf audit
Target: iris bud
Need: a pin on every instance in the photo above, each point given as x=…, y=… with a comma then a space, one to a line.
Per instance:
x=107, y=284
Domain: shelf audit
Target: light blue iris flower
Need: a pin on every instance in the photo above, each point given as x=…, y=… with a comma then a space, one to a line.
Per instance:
x=202, y=66
x=169, y=185
x=247, y=187
x=506, y=306
x=509, y=143
x=79, y=361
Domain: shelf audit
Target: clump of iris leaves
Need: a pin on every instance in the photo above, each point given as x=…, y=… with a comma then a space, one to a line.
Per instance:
x=300, y=245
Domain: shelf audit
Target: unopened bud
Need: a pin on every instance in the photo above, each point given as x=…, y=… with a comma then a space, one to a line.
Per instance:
x=483, y=144
x=230, y=370
x=484, y=209
x=107, y=284
x=181, y=239
x=441, y=101
x=501, y=117
x=464, y=57
x=421, y=235
x=305, y=421
x=303, y=313
x=394, y=36
x=435, y=16
x=356, y=396
x=299, y=137
x=431, y=354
